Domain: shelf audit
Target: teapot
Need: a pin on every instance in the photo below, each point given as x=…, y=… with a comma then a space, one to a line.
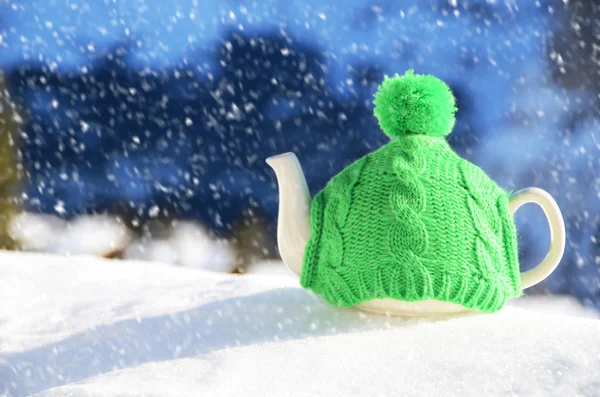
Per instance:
x=411, y=229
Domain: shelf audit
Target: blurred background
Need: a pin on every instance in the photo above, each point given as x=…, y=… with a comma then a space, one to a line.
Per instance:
x=139, y=128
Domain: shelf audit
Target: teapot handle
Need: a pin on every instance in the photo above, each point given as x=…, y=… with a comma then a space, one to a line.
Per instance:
x=557, y=232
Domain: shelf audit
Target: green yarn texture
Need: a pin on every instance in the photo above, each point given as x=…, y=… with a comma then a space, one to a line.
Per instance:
x=413, y=221
x=414, y=104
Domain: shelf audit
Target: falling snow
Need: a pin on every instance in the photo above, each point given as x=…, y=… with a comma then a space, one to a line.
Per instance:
x=138, y=130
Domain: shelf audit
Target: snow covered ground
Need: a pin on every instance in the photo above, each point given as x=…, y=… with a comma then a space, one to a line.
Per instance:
x=83, y=326
x=185, y=243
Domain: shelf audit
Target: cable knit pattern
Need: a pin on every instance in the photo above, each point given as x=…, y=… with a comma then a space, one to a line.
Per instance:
x=412, y=221
x=407, y=237
x=339, y=200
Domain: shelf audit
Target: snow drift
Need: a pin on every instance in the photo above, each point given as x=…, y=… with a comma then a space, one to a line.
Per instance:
x=82, y=326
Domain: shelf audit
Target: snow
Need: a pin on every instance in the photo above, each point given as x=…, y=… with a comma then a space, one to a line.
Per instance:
x=188, y=244
x=87, y=234
x=85, y=326
x=35, y=232
x=266, y=266
x=564, y=305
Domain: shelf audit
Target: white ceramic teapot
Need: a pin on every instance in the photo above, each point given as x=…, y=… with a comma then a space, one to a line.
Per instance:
x=411, y=229
x=294, y=229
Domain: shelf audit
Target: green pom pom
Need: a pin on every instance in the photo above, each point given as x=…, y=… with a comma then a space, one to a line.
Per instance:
x=414, y=104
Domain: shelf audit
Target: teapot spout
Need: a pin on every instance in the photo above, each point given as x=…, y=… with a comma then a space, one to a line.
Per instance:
x=293, y=225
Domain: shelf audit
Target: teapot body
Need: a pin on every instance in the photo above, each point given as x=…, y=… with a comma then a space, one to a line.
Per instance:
x=412, y=228
x=294, y=234
x=426, y=308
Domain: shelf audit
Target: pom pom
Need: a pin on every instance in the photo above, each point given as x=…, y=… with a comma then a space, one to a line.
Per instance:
x=414, y=104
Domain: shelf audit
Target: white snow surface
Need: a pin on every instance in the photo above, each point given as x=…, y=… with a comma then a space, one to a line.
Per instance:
x=84, y=326
x=188, y=244
x=87, y=234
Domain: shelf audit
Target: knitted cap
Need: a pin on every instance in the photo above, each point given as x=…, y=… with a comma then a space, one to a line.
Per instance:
x=413, y=220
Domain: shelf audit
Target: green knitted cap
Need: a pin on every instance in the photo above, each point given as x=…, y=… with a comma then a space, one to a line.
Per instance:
x=413, y=220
